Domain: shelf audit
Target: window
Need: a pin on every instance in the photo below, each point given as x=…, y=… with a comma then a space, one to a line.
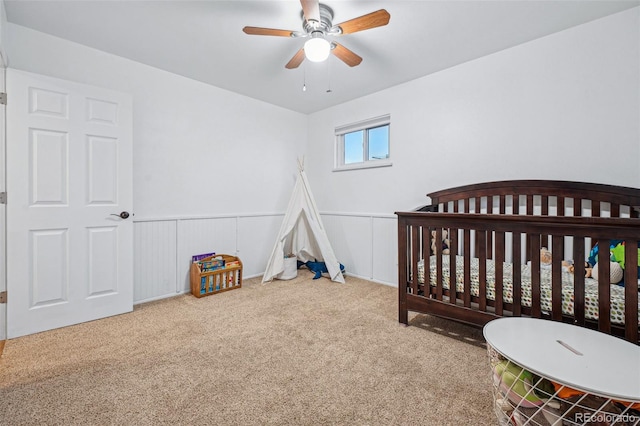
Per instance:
x=363, y=144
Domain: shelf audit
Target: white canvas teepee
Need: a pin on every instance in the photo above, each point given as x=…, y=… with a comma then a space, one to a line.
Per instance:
x=302, y=234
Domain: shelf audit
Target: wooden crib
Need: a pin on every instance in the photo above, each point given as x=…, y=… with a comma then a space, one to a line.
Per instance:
x=496, y=231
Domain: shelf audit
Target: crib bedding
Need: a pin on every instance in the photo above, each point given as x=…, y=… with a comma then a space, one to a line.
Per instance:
x=591, y=286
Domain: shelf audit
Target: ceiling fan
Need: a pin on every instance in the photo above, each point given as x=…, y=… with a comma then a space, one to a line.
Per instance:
x=317, y=25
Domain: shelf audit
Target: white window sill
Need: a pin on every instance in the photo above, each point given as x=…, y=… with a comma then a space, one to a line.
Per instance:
x=363, y=165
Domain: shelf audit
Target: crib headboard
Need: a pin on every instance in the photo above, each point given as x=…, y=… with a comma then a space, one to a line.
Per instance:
x=544, y=197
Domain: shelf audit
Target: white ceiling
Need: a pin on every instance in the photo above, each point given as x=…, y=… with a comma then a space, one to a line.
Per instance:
x=203, y=40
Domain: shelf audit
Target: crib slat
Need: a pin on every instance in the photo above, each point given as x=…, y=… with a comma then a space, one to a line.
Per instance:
x=577, y=207
x=482, y=269
x=595, y=209
x=529, y=210
x=415, y=256
x=517, y=273
x=578, y=280
x=604, y=289
x=477, y=209
x=556, y=277
x=515, y=204
x=529, y=205
x=425, y=242
x=534, y=241
x=426, y=258
x=467, y=268
x=560, y=212
x=453, y=252
x=453, y=241
x=615, y=210
x=544, y=200
x=439, y=274
x=499, y=271
x=453, y=278
x=631, y=291
x=453, y=270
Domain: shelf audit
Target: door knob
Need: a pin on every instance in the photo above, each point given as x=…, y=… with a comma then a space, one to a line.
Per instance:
x=123, y=215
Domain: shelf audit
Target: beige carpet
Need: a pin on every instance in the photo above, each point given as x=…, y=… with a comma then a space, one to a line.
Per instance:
x=298, y=352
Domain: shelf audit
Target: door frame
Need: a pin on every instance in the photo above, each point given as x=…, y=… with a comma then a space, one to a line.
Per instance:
x=3, y=209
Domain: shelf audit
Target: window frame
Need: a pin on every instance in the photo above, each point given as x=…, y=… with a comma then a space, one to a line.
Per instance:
x=366, y=125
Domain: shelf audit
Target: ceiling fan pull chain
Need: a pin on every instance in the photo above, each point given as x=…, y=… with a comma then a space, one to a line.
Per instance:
x=304, y=78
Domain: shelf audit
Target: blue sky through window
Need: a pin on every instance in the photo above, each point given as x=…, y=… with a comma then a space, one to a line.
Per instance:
x=354, y=147
x=379, y=143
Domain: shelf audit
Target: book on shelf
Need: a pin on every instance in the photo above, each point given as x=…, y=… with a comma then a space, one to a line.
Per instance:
x=211, y=264
x=199, y=257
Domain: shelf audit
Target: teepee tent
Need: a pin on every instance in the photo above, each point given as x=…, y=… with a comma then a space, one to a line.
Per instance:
x=302, y=234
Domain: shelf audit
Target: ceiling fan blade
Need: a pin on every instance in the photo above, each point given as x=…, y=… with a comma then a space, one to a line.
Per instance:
x=375, y=19
x=311, y=10
x=267, y=31
x=346, y=55
x=296, y=60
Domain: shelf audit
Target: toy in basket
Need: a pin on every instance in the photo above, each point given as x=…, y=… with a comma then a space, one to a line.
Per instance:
x=524, y=398
x=549, y=373
x=215, y=274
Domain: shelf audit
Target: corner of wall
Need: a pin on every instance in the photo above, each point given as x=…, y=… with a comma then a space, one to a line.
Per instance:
x=4, y=60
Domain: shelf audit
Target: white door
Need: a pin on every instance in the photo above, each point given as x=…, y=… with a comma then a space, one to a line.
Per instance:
x=69, y=177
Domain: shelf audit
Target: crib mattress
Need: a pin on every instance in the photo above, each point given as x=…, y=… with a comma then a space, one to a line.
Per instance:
x=591, y=287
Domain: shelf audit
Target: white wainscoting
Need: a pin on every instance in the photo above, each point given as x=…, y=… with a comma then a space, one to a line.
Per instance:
x=366, y=244
x=154, y=260
x=163, y=248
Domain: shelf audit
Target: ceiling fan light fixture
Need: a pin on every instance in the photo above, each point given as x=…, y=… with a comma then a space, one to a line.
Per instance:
x=317, y=49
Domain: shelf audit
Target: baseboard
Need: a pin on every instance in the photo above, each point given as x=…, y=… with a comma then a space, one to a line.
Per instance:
x=165, y=296
x=371, y=279
x=2, y=342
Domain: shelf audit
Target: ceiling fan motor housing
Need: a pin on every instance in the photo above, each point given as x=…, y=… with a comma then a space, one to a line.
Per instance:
x=325, y=24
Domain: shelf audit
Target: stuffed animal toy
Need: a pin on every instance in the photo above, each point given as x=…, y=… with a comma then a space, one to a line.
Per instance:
x=616, y=262
x=516, y=383
x=545, y=256
x=318, y=268
x=615, y=272
x=444, y=245
x=617, y=254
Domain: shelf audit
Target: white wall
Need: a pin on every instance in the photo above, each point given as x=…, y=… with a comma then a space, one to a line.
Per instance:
x=565, y=106
x=198, y=152
x=198, y=149
x=562, y=107
x=3, y=34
